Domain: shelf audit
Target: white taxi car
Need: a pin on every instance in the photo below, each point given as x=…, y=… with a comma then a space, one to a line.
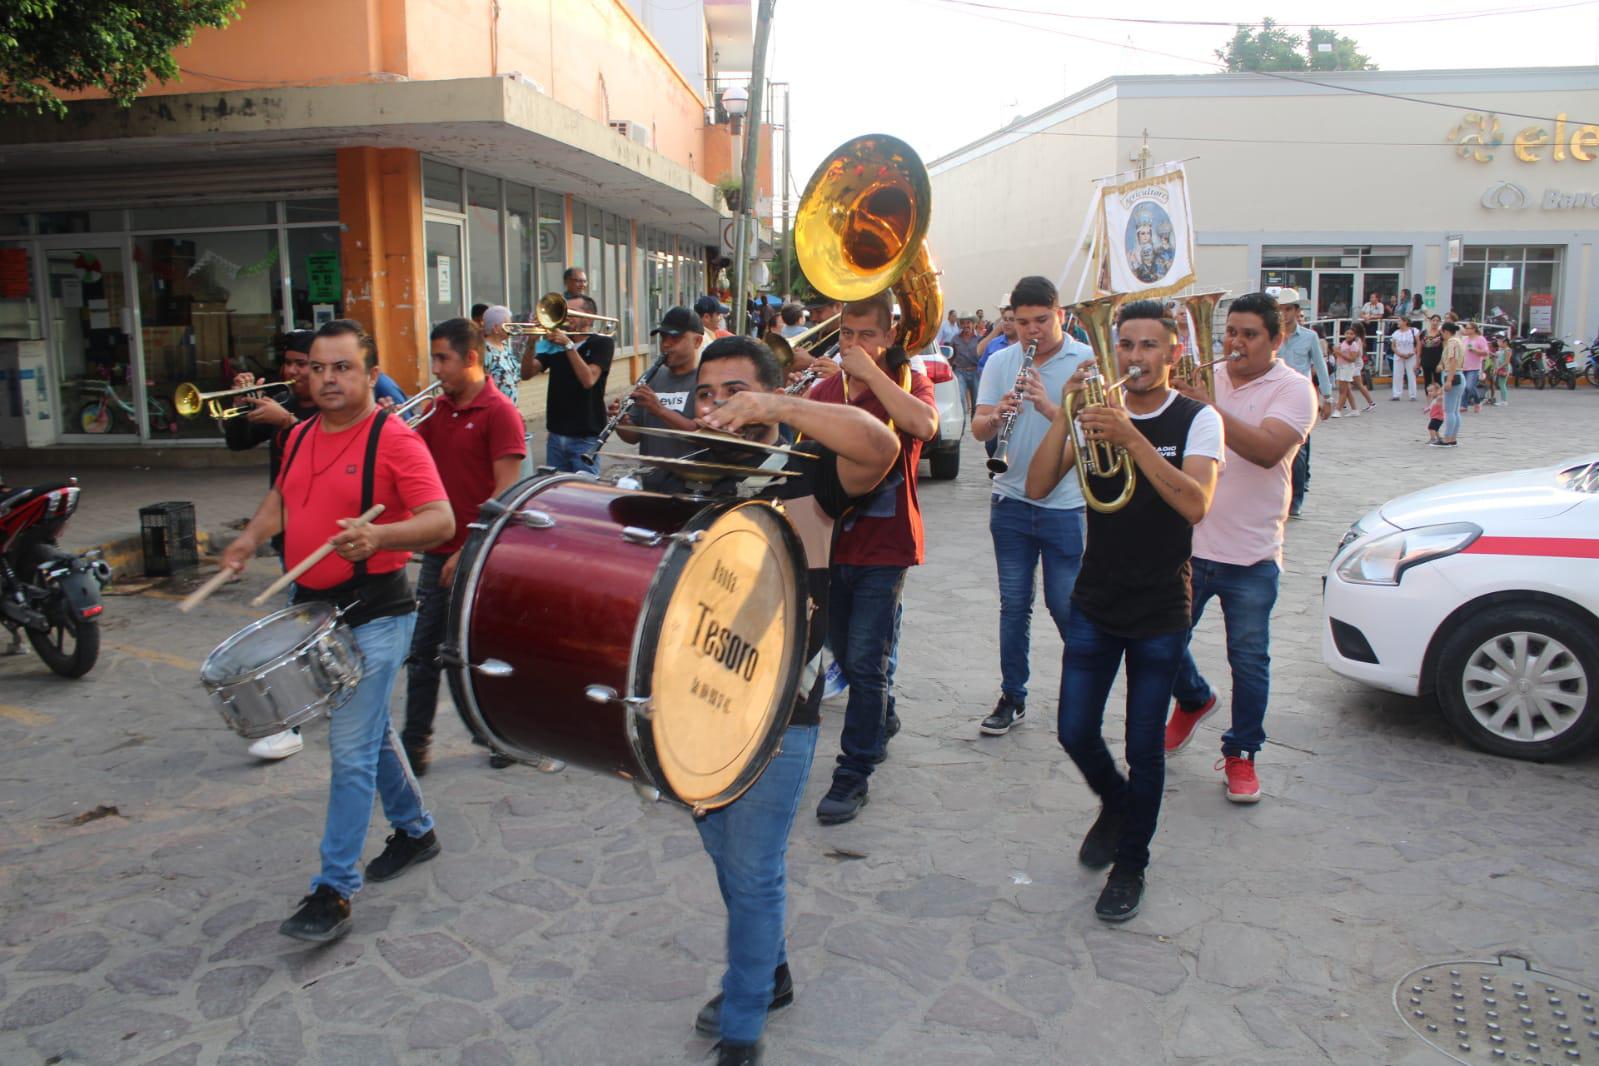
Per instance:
x=1484, y=592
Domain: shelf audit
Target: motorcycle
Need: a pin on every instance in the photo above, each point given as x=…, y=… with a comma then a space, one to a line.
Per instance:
x=49, y=594
x=1590, y=366
x=1542, y=359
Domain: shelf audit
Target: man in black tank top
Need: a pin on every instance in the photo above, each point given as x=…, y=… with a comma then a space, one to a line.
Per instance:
x=1131, y=597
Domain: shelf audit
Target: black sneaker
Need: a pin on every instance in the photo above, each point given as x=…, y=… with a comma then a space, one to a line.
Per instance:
x=324, y=915
x=1007, y=712
x=892, y=728
x=709, y=1020
x=843, y=801
x=1099, y=846
x=1124, y=892
x=399, y=852
x=738, y=1054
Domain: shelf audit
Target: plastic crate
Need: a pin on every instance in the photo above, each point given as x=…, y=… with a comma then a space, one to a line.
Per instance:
x=168, y=533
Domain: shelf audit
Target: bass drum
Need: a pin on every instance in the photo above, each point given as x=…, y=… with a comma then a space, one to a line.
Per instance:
x=660, y=638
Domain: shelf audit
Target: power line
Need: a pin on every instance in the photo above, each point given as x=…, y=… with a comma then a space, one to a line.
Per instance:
x=1403, y=21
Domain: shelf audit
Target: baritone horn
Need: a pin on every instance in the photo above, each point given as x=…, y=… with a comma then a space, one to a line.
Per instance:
x=1101, y=460
x=1196, y=363
x=861, y=227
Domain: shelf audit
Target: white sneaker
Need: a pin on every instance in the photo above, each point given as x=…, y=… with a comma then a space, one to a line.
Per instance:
x=277, y=746
x=549, y=764
x=1335, y=414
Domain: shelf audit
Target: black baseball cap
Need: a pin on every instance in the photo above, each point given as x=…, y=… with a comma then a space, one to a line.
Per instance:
x=299, y=340
x=710, y=305
x=678, y=321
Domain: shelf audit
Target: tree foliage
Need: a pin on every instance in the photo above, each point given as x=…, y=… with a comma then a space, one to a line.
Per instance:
x=51, y=46
x=1273, y=48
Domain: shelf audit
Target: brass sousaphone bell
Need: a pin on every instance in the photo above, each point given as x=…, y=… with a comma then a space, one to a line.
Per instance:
x=861, y=228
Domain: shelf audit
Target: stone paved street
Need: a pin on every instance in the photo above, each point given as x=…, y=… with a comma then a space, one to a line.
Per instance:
x=567, y=923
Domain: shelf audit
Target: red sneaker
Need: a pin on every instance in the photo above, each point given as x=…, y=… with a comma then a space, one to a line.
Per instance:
x=1242, y=784
x=1181, y=725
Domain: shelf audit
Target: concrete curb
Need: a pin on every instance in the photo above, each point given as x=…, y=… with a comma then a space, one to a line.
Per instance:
x=125, y=554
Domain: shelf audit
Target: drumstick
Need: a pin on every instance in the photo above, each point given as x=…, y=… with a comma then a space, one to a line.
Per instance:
x=309, y=561
x=214, y=582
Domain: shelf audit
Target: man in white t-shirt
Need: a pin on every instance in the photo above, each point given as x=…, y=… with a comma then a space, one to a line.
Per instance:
x=1372, y=310
x=1405, y=342
x=1267, y=410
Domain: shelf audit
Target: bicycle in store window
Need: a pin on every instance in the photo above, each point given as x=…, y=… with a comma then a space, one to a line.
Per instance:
x=100, y=412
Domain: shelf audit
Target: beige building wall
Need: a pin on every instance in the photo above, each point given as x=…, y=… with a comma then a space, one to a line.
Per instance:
x=1367, y=159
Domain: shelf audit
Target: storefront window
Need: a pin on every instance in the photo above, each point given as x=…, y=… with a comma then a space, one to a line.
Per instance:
x=316, y=281
x=1508, y=285
x=552, y=241
x=210, y=305
x=483, y=238
x=441, y=185
x=13, y=225
x=311, y=211
x=520, y=248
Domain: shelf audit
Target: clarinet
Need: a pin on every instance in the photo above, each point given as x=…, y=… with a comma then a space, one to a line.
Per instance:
x=998, y=463
x=623, y=408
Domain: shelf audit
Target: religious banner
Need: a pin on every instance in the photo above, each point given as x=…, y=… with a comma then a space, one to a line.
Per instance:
x=1143, y=240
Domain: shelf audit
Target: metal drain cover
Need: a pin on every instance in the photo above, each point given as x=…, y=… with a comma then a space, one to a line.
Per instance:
x=1500, y=1011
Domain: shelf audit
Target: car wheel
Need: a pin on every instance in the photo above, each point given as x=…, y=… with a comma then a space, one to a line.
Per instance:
x=944, y=463
x=1522, y=680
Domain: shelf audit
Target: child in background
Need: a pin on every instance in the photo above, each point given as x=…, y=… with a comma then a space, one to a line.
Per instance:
x=1499, y=385
x=1435, y=411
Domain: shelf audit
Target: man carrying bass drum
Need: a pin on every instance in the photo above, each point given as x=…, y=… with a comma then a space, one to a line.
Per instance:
x=336, y=466
x=847, y=453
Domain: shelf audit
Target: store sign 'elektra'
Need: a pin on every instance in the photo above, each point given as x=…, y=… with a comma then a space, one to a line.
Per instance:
x=1478, y=137
x=1508, y=196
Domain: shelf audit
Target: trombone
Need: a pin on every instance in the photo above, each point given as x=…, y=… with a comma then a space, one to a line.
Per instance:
x=552, y=314
x=190, y=401
x=415, y=403
x=783, y=347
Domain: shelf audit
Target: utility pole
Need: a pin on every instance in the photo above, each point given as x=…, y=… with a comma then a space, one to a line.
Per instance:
x=748, y=199
x=788, y=238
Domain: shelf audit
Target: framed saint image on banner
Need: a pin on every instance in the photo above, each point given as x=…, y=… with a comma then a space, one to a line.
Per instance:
x=1144, y=241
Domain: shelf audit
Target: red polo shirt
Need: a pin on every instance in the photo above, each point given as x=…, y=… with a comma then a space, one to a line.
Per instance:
x=885, y=528
x=465, y=441
x=322, y=484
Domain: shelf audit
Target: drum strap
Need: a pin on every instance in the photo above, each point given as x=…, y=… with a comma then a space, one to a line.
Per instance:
x=755, y=484
x=368, y=470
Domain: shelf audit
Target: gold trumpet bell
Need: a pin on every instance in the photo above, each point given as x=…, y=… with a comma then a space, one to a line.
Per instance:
x=1100, y=459
x=189, y=400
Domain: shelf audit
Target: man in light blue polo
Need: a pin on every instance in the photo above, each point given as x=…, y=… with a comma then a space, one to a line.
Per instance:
x=1026, y=530
x=1302, y=349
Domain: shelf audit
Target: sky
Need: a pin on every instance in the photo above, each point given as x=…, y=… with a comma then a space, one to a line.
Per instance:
x=941, y=73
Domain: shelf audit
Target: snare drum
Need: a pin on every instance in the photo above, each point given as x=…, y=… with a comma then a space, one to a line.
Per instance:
x=656, y=637
x=285, y=670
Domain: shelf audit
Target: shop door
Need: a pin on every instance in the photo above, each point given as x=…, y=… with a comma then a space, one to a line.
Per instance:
x=94, y=354
x=1335, y=292
x=1385, y=283
x=446, y=280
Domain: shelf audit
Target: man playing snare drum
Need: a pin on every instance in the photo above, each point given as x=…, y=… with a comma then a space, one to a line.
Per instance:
x=850, y=451
x=336, y=466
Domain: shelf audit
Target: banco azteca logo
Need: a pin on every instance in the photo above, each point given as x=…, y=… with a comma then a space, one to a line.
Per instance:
x=1504, y=196
x=1477, y=136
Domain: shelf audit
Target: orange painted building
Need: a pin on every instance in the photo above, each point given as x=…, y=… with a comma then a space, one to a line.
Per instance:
x=393, y=161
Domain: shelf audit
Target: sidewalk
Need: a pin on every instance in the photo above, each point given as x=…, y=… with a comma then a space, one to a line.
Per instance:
x=108, y=508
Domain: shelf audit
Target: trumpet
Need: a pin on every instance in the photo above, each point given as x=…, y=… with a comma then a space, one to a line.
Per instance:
x=999, y=462
x=190, y=401
x=1101, y=459
x=414, y=404
x=552, y=314
x=803, y=383
x=1201, y=309
x=783, y=347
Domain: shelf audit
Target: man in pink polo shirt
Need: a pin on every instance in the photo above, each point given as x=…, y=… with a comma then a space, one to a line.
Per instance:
x=1267, y=410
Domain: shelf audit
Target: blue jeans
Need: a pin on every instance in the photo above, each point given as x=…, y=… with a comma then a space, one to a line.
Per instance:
x=893, y=662
x=1023, y=533
x=422, y=664
x=1472, y=396
x=1247, y=595
x=1088, y=670
x=1301, y=474
x=367, y=760
x=969, y=380
x=1452, y=398
x=747, y=841
x=565, y=454
x=862, y=607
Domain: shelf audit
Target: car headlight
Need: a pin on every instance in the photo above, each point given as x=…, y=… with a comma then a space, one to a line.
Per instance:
x=1368, y=523
x=1384, y=560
